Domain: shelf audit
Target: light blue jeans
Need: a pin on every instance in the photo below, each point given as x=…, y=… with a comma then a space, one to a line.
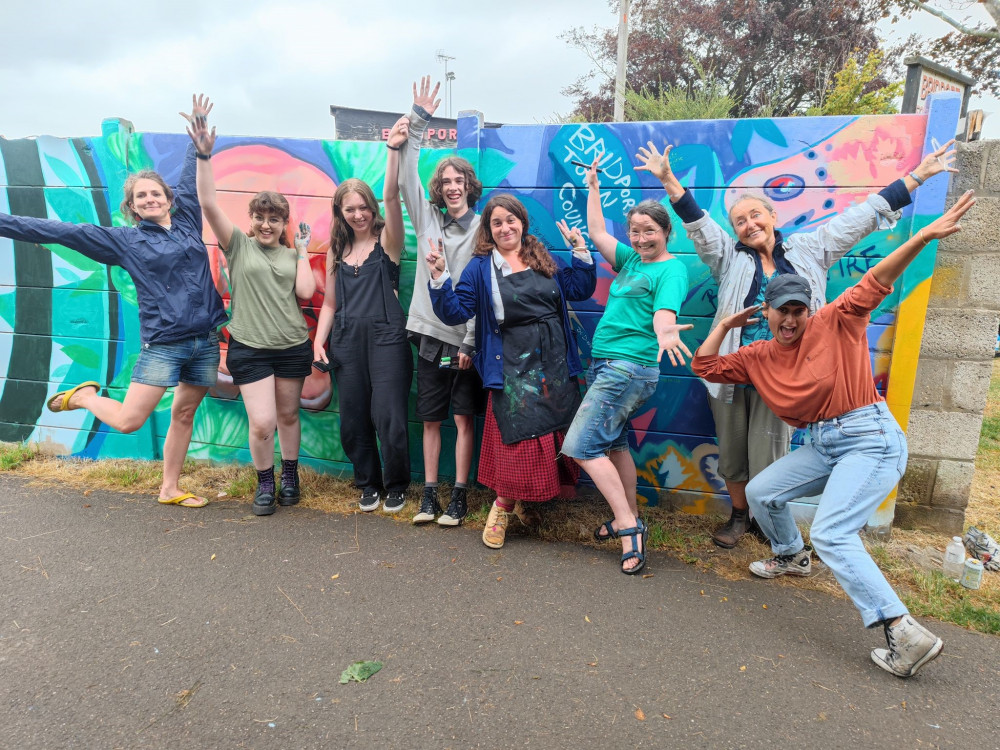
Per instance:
x=854, y=460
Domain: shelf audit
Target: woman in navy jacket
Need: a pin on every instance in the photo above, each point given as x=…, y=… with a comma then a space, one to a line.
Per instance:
x=525, y=353
x=179, y=309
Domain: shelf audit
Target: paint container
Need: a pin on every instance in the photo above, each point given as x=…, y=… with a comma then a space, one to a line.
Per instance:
x=972, y=576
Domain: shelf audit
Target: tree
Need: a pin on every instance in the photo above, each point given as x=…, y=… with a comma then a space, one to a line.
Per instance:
x=705, y=101
x=973, y=48
x=775, y=55
x=853, y=93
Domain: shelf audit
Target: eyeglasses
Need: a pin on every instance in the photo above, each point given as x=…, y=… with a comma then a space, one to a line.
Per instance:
x=647, y=234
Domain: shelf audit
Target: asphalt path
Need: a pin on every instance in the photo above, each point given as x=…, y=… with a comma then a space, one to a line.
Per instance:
x=134, y=625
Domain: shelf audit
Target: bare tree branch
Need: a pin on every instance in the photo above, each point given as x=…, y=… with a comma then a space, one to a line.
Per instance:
x=992, y=7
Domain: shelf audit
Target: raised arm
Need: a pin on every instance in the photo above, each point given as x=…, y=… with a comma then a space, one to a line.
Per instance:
x=602, y=239
x=424, y=105
x=204, y=142
x=714, y=245
x=393, y=237
x=891, y=267
x=940, y=160
x=305, y=282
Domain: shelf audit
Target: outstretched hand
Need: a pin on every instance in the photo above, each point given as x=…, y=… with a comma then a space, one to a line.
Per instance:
x=941, y=160
x=652, y=161
x=572, y=237
x=425, y=98
x=435, y=258
x=204, y=140
x=669, y=340
x=743, y=318
x=302, y=238
x=947, y=224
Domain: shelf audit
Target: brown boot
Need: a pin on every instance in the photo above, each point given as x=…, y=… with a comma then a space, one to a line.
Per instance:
x=729, y=534
x=496, y=527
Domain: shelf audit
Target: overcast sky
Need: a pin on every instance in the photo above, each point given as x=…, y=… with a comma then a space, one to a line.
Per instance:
x=275, y=68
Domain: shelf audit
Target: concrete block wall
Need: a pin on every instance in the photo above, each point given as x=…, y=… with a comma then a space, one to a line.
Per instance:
x=956, y=355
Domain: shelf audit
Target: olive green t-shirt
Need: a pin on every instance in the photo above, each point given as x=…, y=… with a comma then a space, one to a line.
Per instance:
x=640, y=289
x=264, y=312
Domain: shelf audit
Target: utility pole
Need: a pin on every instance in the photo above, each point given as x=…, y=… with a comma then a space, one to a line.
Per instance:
x=448, y=78
x=622, y=57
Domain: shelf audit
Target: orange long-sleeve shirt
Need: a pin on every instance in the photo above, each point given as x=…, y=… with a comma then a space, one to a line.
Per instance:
x=824, y=374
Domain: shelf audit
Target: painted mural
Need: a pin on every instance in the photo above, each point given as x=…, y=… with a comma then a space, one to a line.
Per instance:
x=65, y=319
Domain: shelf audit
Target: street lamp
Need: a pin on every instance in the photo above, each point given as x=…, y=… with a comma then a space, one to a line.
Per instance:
x=448, y=78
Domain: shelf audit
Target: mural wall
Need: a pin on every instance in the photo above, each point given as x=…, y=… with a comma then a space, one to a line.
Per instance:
x=65, y=319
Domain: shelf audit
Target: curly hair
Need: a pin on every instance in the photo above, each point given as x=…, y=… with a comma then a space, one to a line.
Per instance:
x=129, y=190
x=532, y=253
x=269, y=202
x=341, y=233
x=473, y=187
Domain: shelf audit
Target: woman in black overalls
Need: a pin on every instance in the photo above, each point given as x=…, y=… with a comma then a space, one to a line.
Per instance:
x=368, y=351
x=526, y=353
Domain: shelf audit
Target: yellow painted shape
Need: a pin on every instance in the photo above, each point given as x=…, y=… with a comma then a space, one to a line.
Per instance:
x=903, y=374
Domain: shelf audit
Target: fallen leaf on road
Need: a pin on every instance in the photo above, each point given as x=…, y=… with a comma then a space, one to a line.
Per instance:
x=764, y=606
x=743, y=669
x=702, y=592
x=519, y=622
x=640, y=715
x=586, y=618
x=499, y=578
x=212, y=557
x=665, y=716
x=360, y=671
x=335, y=576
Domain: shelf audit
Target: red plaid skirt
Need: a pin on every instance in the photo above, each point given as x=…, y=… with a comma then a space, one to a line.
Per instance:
x=530, y=470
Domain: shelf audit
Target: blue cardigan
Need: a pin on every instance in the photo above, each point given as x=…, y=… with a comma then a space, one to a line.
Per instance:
x=473, y=297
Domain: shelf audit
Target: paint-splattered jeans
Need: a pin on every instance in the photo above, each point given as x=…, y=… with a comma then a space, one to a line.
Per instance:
x=854, y=460
x=615, y=391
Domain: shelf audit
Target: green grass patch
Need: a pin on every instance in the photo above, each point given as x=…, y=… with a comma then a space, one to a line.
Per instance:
x=989, y=438
x=244, y=484
x=130, y=475
x=13, y=455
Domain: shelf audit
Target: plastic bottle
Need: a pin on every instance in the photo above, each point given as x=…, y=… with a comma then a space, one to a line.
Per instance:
x=954, y=558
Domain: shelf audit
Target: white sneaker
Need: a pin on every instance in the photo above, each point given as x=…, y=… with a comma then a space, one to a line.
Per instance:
x=911, y=645
x=798, y=564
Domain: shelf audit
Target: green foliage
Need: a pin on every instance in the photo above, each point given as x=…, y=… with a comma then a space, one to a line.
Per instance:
x=13, y=455
x=854, y=90
x=360, y=671
x=706, y=99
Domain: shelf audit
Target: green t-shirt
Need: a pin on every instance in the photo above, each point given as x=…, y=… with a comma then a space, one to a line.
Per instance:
x=264, y=312
x=640, y=289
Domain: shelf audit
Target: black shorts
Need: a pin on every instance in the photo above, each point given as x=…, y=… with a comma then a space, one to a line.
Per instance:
x=248, y=365
x=439, y=388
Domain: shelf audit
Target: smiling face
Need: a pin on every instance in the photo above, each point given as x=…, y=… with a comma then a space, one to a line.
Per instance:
x=506, y=230
x=357, y=214
x=788, y=322
x=647, y=238
x=754, y=224
x=454, y=191
x=267, y=228
x=150, y=202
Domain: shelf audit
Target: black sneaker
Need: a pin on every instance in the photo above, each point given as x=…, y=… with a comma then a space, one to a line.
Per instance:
x=264, y=503
x=289, y=495
x=369, y=500
x=429, y=506
x=457, y=508
x=394, y=501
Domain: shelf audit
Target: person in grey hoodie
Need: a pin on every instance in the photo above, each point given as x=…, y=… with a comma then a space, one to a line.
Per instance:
x=751, y=437
x=446, y=380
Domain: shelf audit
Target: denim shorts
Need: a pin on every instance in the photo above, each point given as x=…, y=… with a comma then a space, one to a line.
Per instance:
x=194, y=361
x=616, y=389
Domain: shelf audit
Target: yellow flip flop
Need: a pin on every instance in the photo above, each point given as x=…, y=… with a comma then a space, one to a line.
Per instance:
x=60, y=401
x=184, y=500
